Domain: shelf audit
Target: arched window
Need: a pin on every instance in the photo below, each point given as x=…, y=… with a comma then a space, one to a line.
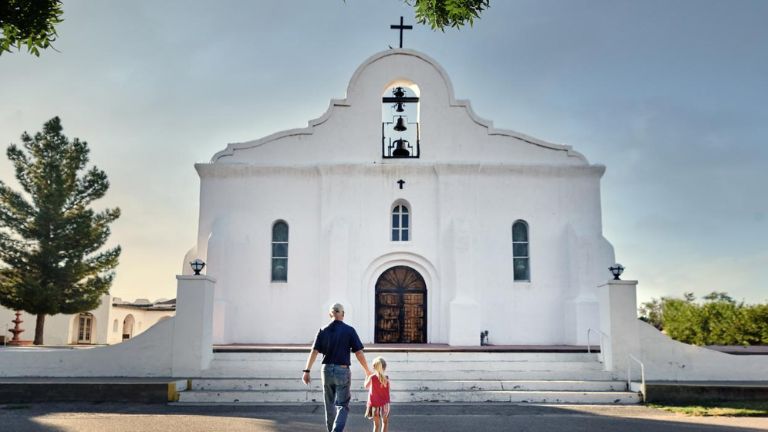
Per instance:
x=280, y=252
x=401, y=223
x=520, y=254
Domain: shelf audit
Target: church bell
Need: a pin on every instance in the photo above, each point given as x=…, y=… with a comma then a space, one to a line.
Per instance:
x=400, y=125
x=400, y=150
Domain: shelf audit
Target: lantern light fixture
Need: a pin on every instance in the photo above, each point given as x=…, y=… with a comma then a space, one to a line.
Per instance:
x=197, y=266
x=617, y=269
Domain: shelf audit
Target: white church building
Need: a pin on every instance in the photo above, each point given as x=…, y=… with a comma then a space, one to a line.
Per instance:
x=431, y=227
x=425, y=221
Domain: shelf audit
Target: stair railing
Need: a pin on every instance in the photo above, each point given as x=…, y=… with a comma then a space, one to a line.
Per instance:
x=602, y=337
x=642, y=375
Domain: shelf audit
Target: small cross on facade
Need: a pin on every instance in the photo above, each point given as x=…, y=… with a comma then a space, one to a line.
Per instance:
x=401, y=27
x=401, y=182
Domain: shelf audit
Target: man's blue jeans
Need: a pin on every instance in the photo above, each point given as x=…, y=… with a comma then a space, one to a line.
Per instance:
x=336, y=382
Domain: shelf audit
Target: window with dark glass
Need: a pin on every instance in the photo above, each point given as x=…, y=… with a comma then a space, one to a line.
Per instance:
x=280, y=252
x=520, y=253
x=400, y=223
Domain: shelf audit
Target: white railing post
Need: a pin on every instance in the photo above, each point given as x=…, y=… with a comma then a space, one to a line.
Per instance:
x=603, y=336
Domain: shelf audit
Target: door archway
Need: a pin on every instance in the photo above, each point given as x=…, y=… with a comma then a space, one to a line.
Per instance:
x=401, y=306
x=128, y=323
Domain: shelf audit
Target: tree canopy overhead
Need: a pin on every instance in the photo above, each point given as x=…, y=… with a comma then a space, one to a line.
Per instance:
x=31, y=23
x=51, y=257
x=439, y=14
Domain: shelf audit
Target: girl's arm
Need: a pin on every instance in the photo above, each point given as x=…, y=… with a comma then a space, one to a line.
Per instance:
x=368, y=381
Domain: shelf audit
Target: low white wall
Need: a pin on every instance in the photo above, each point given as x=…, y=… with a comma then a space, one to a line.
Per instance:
x=666, y=359
x=146, y=355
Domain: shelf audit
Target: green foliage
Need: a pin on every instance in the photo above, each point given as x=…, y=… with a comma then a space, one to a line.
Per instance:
x=719, y=320
x=440, y=14
x=650, y=312
x=50, y=240
x=29, y=22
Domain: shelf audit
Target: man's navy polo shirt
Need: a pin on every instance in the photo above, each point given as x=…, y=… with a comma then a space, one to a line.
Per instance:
x=336, y=341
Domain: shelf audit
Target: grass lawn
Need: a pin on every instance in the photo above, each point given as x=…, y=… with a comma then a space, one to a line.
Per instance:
x=727, y=409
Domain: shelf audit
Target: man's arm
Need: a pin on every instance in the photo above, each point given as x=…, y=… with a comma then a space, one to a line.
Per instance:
x=310, y=361
x=361, y=358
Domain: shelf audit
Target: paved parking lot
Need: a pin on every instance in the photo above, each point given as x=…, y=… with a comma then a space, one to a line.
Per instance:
x=52, y=417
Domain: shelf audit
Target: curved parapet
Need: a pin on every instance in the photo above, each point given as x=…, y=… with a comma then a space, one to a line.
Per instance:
x=350, y=129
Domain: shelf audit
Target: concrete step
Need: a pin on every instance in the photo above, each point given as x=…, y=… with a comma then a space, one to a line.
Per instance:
x=471, y=396
x=591, y=374
x=420, y=364
x=490, y=371
x=267, y=384
x=471, y=377
x=419, y=356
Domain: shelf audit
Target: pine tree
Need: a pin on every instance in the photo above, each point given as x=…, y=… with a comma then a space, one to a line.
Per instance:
x=51, y=257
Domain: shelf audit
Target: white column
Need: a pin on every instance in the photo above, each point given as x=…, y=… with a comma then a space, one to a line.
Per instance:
x=618, y=320
x=464, y=325
x=193, y=325
x=338, y=269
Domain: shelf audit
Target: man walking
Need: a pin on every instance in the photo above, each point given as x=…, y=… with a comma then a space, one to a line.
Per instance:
x=335, y=341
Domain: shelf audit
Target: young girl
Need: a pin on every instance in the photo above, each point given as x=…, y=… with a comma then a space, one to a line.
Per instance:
x=377, y=407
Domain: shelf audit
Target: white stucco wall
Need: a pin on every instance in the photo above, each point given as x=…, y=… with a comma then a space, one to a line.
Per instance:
x=179, y=346
x=664, y=359
x=143, y=320
x=331, y=185
x=148, y=355
x=669, y=360
x=62, y=329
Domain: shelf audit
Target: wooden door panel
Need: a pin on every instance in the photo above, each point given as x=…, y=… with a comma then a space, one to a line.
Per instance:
x=401, y=304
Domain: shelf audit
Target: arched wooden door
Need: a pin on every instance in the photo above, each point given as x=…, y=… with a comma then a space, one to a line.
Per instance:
x=401, y=307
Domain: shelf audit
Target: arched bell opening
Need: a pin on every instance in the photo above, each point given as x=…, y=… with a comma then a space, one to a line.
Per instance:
x=400, y=121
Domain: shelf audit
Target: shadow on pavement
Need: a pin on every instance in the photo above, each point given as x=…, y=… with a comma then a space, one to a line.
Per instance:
x=405, y=418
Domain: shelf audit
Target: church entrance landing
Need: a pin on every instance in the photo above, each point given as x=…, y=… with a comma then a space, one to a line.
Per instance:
x=401, y=307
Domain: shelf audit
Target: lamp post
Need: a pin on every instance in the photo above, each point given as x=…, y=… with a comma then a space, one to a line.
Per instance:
x=197, y=266
x=616, y=270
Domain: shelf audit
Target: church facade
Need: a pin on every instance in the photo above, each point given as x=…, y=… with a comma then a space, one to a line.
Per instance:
x=426, y=222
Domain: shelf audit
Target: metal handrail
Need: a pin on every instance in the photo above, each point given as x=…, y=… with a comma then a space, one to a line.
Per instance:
x=602, y=335
x=642, y=375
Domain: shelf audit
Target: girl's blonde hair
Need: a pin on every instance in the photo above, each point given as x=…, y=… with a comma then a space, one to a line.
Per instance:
x=380, y=365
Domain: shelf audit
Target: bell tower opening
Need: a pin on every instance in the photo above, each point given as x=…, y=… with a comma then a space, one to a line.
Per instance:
x=400, y=122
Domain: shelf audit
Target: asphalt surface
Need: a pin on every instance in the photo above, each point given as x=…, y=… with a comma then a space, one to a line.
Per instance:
x=112, y=417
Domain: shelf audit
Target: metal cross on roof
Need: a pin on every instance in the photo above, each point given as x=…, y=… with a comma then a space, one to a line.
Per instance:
x=401, y=27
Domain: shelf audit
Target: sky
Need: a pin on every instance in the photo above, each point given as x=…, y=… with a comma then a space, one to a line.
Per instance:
x=671, y=96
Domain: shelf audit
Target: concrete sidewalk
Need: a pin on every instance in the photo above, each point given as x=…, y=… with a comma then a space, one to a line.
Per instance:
x=405, y=418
